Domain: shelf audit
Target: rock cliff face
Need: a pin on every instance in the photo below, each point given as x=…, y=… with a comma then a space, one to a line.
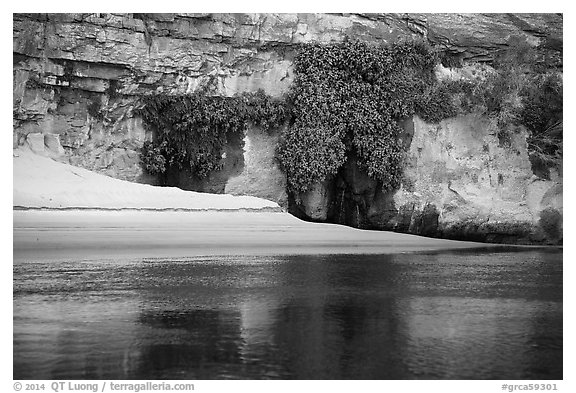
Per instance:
x=78, y=79
x=459, y=182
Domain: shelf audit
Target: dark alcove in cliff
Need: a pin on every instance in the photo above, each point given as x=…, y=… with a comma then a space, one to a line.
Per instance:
x=352, y=198
x=215, y=181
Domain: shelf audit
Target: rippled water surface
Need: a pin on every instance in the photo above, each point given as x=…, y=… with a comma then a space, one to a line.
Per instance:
x=430, y=316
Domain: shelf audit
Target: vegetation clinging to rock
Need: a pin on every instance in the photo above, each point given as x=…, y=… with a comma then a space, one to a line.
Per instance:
x=192, y=130
x=522, y=88
x=354, y=94
x=348, y=98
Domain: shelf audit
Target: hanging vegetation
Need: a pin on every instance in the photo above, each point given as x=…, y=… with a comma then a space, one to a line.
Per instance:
x=192, y=130
x=349, y=97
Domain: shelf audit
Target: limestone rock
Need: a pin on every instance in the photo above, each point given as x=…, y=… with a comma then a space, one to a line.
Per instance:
x=52, y=144
x=459, y=182
x=65, y=64
x=479, y=36
x=35, y=141
x=261, y=175
x=316, y=201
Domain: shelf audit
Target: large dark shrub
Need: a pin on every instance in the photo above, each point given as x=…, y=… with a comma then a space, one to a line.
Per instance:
x=350, y=97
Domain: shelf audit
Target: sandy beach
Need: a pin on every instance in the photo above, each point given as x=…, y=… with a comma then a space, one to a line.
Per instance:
x=161, y=234
x=65, y=212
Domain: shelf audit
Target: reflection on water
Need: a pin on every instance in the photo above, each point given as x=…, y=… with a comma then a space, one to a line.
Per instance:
x=430, y=316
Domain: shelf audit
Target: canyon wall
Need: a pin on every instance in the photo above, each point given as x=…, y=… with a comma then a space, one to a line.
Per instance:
x=460, y=182
x=78, y=80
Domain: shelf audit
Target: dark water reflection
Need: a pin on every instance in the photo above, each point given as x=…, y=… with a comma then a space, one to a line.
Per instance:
x=431, y=316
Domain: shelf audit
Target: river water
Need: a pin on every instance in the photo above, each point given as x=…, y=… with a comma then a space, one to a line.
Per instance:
x=449, y=315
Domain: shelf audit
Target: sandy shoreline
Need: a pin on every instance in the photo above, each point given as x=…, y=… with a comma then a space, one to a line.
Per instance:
x=77, y=234
x=42, y=183
x=63, y=212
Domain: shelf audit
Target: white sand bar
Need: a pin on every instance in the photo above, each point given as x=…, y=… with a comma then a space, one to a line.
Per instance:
x=64, y=212
x=40, y=182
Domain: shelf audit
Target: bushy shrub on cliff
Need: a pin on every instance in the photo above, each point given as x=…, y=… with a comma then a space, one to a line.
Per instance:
x=310, y=154
x=192, y=130
x=542, y=115
x=349, y=97
x=153, y=157
x=522, y=88
x=264, y=111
